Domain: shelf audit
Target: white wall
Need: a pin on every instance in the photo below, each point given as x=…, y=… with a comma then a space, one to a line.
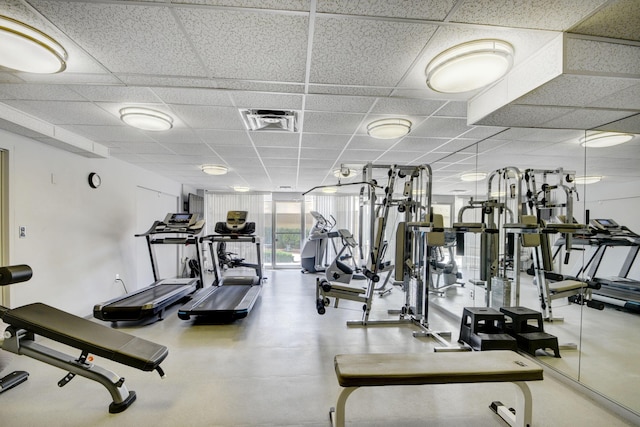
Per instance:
x=620, y=202
x=78, y=237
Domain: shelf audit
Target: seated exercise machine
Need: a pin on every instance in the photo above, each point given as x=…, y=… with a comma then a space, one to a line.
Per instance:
x=229, y=297
x=314, y=252
x=444, y=266
x=339, y=270
x=152, y=300
x=90, y=338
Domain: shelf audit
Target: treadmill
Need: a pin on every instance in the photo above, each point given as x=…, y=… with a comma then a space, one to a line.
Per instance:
x=229, y=297
x=150, y=301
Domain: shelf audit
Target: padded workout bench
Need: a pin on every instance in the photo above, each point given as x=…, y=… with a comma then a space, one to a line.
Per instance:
x=89, y=337
x=368, y=370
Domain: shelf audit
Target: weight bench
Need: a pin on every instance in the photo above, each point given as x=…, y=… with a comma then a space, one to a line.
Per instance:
x=90, y=338
x=369, y=370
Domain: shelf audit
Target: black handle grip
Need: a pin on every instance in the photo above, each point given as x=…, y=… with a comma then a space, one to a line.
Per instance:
x=15, y=274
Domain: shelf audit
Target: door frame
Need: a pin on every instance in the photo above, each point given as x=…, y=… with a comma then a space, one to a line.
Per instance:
x=284, y=197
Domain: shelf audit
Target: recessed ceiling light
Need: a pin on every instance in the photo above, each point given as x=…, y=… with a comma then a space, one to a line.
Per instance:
x=146, y=119
x=241, y=189
x=329, y=190
x=24, y=48
x=389, y=128
x=474, y=176
x=214, y=169
x=605, y=139
x=587, y=179
x=458, y=191
x=469, y=66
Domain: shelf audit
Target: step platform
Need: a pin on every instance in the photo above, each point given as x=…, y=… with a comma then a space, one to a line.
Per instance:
x=527, y=326
x=483, y=328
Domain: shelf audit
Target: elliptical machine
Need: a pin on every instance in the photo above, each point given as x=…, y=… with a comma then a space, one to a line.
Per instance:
x=315, y=248
x=340, y=271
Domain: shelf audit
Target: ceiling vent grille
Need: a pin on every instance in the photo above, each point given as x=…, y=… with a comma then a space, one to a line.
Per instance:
x=270, y=120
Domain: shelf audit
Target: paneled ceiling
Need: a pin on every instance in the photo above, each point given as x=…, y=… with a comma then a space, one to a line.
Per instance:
x=339, y=65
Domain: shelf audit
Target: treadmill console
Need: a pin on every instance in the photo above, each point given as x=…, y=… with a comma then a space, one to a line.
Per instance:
x=604, y=224
x=180, y=220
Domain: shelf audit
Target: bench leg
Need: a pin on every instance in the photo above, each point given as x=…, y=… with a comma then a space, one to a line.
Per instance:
x=337, y=413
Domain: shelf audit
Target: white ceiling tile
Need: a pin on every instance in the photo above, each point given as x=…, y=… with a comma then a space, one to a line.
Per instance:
x=267, y=101
x=209, y=117
x=365, y=142
x=141, y=148
x=360, y=155
x=278, y=152
x=416, y=9
x=439, y=127
x=536, y=14
x=299, y=5
x=260, y=86
x=629, y=98
x=278, y=163
x=275, y=139
x=274, y=49
x=365, y=52
x=176, y=136
x=337, y=103
x=229, y=151
x=585, y=119
x=216, y=138
x=159, y=81
x=193, y=96
x=575, y=90
x=619, y=22
x=107, y=31
x=629, y=124
x=349, y=90
x=331, y=123
x=66, y=112
x=416, y=107
x=38, y=92
x=319, y=153
x=394, y=156
x=453, y=109
x=116, y=93
x=188, y=149
x=110, y=133
x=331, y=142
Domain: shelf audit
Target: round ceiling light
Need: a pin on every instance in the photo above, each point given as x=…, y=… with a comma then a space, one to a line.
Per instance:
x=241, y=189
x=469, y=66
x=389, y=128
x=587, y=179
x=605, y=139
x=146, y=119
x=214, y=169
x=344, y=173
x=24, y=48
x=474, y=176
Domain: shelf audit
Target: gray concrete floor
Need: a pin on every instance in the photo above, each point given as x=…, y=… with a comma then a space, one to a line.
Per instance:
x=275, y=368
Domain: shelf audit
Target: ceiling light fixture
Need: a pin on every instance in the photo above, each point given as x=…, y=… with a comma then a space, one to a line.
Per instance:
x=24, y=48
x=146, y=119
x=605, y=139
x=469, y=66
x=241, y=189
x=389, y=128
x=214, y=169
x=329, y=190
x=344, y=173
x=587, y=179
x=474, y=176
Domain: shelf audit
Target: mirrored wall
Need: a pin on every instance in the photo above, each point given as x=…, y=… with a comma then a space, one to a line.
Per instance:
x=596, y=328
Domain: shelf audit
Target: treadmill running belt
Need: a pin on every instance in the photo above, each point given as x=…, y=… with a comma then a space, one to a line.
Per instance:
x=226, y=300
x=146, y=297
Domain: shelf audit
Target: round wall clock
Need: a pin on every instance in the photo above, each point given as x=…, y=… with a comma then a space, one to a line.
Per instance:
x=94, y=180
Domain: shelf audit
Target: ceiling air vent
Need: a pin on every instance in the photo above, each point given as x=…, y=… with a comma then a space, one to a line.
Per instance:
x=270, y=120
